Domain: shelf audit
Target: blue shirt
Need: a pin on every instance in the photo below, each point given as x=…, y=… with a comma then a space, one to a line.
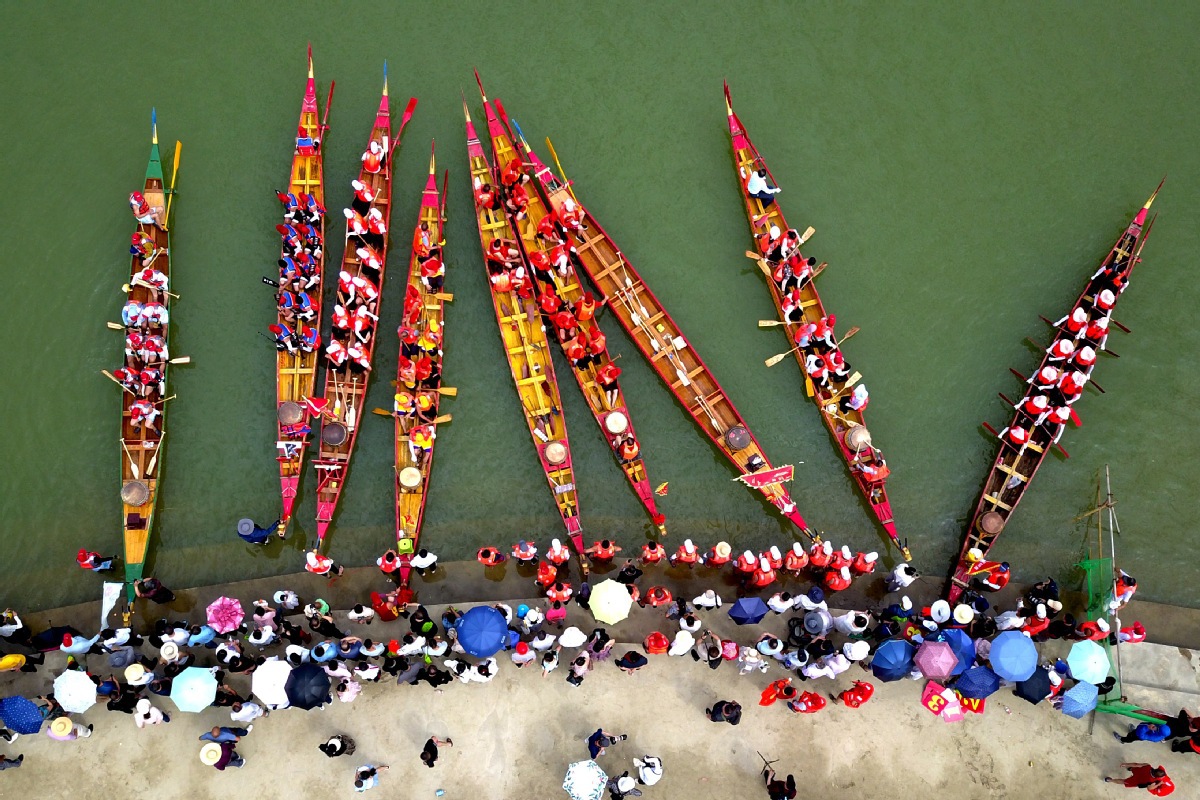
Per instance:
x=206, y=635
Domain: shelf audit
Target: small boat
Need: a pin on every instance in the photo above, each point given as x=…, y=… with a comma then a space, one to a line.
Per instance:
x=144, y=398
x=846, y=425
x=1017, y=464
x=607, y=402
x=526, y=347
x=415, y=405
x=296, y=362
x=355, y=315
x=666, y=349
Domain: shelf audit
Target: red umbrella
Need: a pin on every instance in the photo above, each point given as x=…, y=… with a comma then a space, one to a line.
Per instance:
x=225, y=614
x=936, y=660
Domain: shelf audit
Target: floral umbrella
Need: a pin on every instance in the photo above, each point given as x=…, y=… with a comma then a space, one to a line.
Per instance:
x=225, y=614
x=585, y=780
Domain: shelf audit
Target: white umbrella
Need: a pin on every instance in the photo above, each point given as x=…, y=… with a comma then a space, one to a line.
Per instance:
x=75, y=691
x=585, y=780
x=270, y=681
x=610, y=602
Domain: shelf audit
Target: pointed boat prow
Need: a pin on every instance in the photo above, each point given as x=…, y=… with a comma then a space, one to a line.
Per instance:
x=154, y=127
x=310, y=64
x=433, y=157
x=479, y=83
x=728, y=101
x=1141, y=217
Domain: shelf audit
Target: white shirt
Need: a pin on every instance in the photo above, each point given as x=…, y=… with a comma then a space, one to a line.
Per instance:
x=836, y=663
x=682, y=644
x=303, y=652
x=809, y=605
x=151, y=717
x=436, y=647
x=1010, y=620
x=473, y=673
x=262, y=637
x=816, y=669
x=756, y=184
x=650, y=770
x=845, y=623
x=543, y=642
x=249, y=713
x=689, y=627
x=425, y=562
x=288, y=599
x=903, y=575
x=120, y=636
x=12, y=627
x=366, y=616
x=412, y=649
x=368, y=673
x=779, y=605
x=529, y=655
x=707, y=601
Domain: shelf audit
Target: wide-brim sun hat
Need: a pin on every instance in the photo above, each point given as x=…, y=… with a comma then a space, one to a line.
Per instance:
x=940, y=611
x=61, y=726
x=169, y=651
x=134, y=672
x=963, y=614
x=210, y=754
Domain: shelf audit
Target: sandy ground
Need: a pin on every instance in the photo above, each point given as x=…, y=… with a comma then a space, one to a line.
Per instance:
x=515, y=736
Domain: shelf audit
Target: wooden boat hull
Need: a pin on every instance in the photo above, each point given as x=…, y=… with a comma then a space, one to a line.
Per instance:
x=610, y=414
x=411, y=499
x=666, y=350
x=527, y=351
x=346, y=388
x=1015, y=467
x=141, y=449
x=296, y=373
x=838, y=420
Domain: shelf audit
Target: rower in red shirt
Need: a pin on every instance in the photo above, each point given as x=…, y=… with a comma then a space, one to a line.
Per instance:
x=763, y=575
x=547, y=573
x=525, y=552
x=1072, y=385
x=585, y=309
x=1061, y=349
x=422, y=240
x=686, y=554
x=820, y=554
x=547, y=228
x=557, y=554
x=857, y=694
x=808, y=703
x=746, y=563
x=795, y=559
x=837, y=580
x=512, y=171
x=652, y=553
x=564, y=322
x=1097, y=333
x=603, y=550
x=864, y=563
x=1035, y=405
x=840, y=558
x=1076, y=321
x=718, y=555
x=560, y=592
x=490, y=556
x=773, y=556
x=485, y=196
x=549, y=303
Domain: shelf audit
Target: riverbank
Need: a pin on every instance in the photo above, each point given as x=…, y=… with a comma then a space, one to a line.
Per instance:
x=515, y=736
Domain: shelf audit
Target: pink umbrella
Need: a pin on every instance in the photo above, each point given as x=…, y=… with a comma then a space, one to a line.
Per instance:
x=936, y=660
x=225, y=614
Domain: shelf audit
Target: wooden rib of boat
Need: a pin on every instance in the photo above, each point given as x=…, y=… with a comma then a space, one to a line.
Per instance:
x=415, y=405
x=1016, y=465
x=666, y=349
x=526, y=347
x=296, y=364
x=346, y=383
x=141, y=444
x=608, y=406
x=846, y=425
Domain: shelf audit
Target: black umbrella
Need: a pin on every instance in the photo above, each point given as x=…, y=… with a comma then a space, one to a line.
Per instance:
x=51, y=638
x=307, y=686
x=1036, y=687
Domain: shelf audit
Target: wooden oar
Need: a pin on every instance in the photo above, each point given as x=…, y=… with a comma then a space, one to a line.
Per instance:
x=448, y=391
x=165, y=399
x=137, y=474
x=174, y=175
x=154, y=459
x=775, y=359
x=383, y=412
x=561, y=173
x=115, y=326
x=126, y=288
x=404, y=118
x=113, y=378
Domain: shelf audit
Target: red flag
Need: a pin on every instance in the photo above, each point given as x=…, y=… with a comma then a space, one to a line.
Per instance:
x=758, y=480
x=661, y=490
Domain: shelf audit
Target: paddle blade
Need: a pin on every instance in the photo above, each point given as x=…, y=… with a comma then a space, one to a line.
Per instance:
x=775, y=359
x=181, y=360
x=114, y=326
x=765, y=267
x=443, y=418
x=448, y=391
x=769, y=323
x=445, y=297
x=807, y=234
x=383, y=412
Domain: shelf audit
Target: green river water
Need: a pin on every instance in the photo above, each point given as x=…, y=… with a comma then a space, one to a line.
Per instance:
x=965, y=166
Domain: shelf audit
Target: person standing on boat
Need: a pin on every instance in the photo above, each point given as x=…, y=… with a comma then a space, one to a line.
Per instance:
x=758, y=187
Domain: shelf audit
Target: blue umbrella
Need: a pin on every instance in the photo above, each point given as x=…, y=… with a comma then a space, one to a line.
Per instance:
x=962, y=645
x=748, y=611
x=1079, y=700
x=21, y=715
x=1088, y=662
x=1036, y=687
x=1013, y=656
x=194, y=689
x=307, y=686
x=977, y=682
x=482, y=631
x=893, y=660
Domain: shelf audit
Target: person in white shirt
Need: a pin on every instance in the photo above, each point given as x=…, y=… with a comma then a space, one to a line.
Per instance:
x=750, y=659
x=781, y=602
x=817, y=669
x=246, y=712
x=813, y=601
x=287, y=599
x=459, y=669
x=523, y=654
x=263, y=637
x=297, y=655
x=411, y=645
x=682, y=644
x=650, y=770
x=757, y=187
x=116, y=637
x=689, y=622
x=424, y=561
x=361, y=615
x=1010, y=620
x=852, y=623
x=506, y=610
x=435, y=647
x=709, y=600
x=228, y=650
x=532, y=619
x=769, y=645
x=836, y=663
x=147, y=714
x=543, y=642
x=856, y=651
x=483, y=672
x=137, y=675
x=366, y=671
x=901, y=578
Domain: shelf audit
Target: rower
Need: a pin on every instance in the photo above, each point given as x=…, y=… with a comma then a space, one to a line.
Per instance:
x=284, y=338
x=376, y=227
x=517, y=200
x=369, y=258
x=485, y=196
x=824, y=331
x=304, y=307
x=433, y=271
x=835, y=362
x=757, y=187
x=557, y=554
x=153, y=280
x=1105, y=300
x=773, y=556
x=1115, y=280
x=793, y=273
x=1035, y=405
x=1015, y=435
x=402, y=404
x=769, y=241
x=685, y=554
x=143, y=246
x=406, y=373
x=814, y=367
x=763, y=575
x=310, y=339
x=652, y=553
x=337, y=353
x=585, y=309
x=604, y=550
x=364, y=196
x=570, y=216
x=154, y=350
x=606, y=378
x=840, y=558
x=718, y=555
x=408, y=341
x=373, y=158
x=1096, y=333
x=342, y=319
x=746, y=563
x=490, y=556
x=876, y=470
x=513, y=172
x=291, y=204
x=360, y=360
x=356, y=224
x=154, y=315
x=547, y=574
x=312, y=208
x=145, y=213
x=540, y=261
x=785, y=246
x=792, y=306
x=597, y=346
x=547, y=228
x=431, y=340
x=306, y=145
x=365, y=291
x=1045, y=378
x=1075, y=322
x=1085, y=358
x=838, y=580
x=362, y=322
x=864, y=563
x=820, y=554
x=795, y=559
x=131, y=314
x=803, y=334
x=565, y=324
x=142, y=413
x=576, y=353
x=420, y=441
x=549, y=303
x=856, y=401
x=1056, y=420
x=133, y=347
x=502, y=253
x=1061, y=350
x=423, y=368
x=560, y=258
x=422, y=241
x=152, y=380
x=426, y=406
x=1072, y=385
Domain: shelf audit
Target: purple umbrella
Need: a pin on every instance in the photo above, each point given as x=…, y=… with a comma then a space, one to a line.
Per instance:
x=936, y=660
